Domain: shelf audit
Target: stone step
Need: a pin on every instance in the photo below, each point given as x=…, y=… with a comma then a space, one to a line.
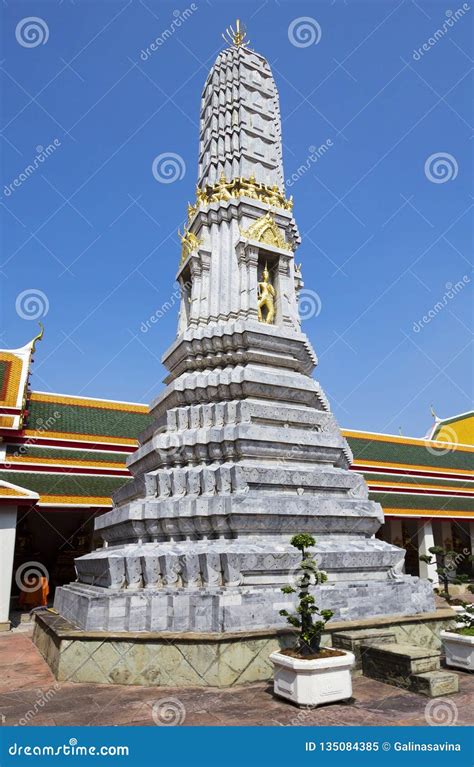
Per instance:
x=352, y=641
x=408, y=666
x=398, y=661
x=435, y=683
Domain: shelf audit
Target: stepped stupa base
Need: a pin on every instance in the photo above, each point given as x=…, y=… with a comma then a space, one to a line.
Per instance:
x=94, y=608
x=171, y=659
x=242, y=451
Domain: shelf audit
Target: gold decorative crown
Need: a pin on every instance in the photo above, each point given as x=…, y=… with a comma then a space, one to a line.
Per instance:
x=236, y=36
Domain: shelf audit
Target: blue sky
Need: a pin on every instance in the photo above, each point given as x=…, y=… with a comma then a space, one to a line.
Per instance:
x=382, y=242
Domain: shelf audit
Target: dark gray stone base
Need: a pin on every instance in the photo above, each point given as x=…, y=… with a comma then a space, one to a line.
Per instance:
x=195, y=659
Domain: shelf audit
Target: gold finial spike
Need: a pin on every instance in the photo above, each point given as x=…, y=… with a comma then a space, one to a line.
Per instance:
x=236, y=36
x=38, y=337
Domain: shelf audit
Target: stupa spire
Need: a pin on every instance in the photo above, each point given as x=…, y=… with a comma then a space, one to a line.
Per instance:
x=237, y=36
x=243, y=450
x=240, y=129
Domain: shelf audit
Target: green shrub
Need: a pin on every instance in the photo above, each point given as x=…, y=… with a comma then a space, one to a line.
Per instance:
x=308, y=618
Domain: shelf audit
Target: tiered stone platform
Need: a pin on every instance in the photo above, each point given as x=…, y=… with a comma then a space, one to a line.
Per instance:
x=192, y=659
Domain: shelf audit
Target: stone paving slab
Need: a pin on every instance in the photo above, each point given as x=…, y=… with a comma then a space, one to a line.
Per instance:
x=25, y=680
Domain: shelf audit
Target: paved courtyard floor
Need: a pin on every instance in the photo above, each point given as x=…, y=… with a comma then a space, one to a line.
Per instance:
x=29, y=695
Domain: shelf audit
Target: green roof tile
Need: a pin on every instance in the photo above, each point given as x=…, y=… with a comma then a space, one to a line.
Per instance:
x=435, y=502
x=30, y=451
x=373, y=477
x=365, y=449
x=64, y=483
x=79, y=419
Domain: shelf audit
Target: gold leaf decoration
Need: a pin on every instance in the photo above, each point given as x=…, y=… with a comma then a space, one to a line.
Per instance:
x=189, y=243
x=265, y=230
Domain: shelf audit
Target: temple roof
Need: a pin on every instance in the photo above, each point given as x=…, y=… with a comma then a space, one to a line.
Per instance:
x=459, y=429
x=415, y=477
x=72, y=451
x=11, y=492
x=14, y=371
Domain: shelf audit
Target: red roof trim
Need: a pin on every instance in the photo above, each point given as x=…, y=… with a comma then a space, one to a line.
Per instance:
x=380, y=469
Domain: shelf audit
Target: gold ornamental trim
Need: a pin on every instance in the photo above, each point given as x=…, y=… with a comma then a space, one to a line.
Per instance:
x=189, y=243
x=239, y=187
x=265, y=230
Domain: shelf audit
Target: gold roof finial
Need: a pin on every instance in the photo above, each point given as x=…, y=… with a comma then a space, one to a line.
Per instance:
x=38, y=337
x=236, y=36
x=434, y=414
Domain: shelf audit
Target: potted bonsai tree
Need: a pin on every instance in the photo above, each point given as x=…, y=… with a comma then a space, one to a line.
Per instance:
x=445, y=560
x=459, y=643
x=309, y=674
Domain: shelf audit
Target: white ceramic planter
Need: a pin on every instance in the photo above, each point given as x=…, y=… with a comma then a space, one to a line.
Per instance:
x=459, y=650
x=460, y=610
x=313, y=682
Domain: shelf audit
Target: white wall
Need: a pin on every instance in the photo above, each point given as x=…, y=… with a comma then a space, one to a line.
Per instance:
x=7, y=549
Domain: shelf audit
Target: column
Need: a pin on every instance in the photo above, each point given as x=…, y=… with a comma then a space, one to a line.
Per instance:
x=396, y=536
x=426, y=541
x=396, y=532
x=205, y=286
x=7, y=550
x=446, y=534
x=299, y=284
x=252, y=279
x=196, y=272
x=286, y=298
x=471, y=529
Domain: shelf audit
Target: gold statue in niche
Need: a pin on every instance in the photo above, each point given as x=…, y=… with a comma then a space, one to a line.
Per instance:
x=266, y=294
